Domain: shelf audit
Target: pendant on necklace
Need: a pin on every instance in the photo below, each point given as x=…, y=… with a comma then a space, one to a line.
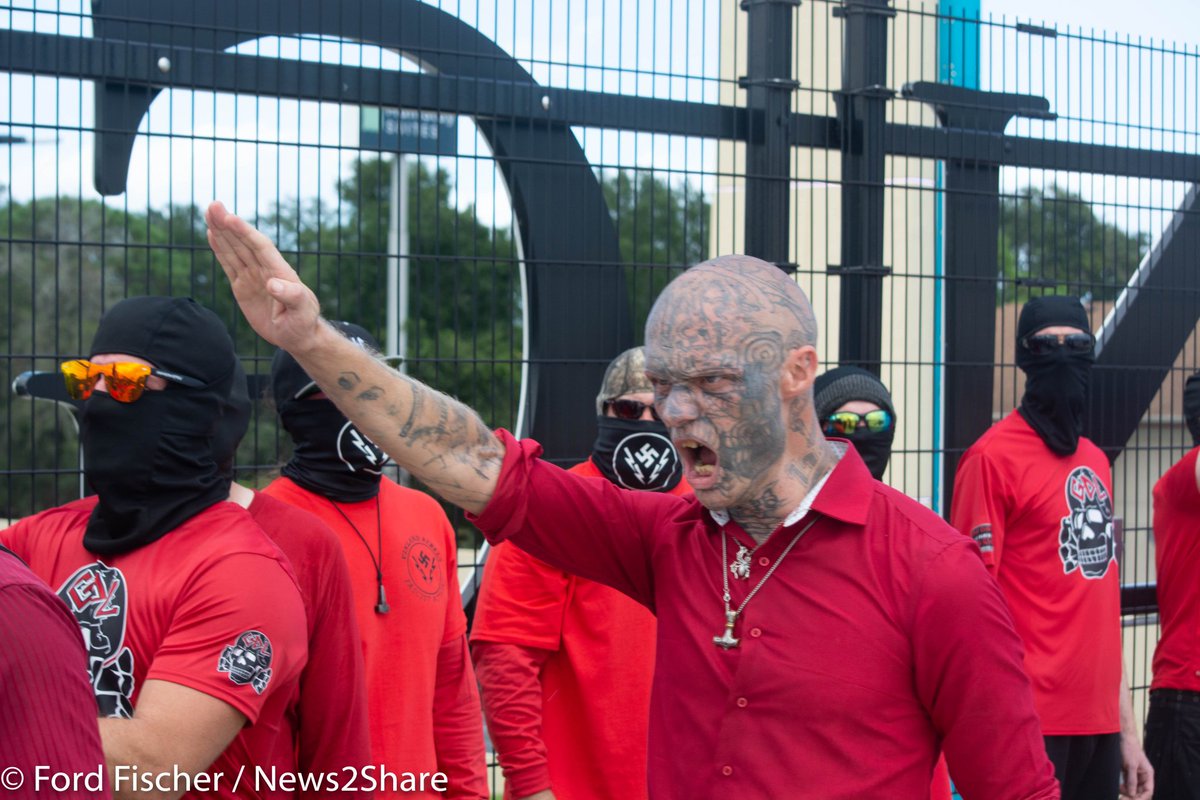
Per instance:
x=740, y=568
x=726, y=640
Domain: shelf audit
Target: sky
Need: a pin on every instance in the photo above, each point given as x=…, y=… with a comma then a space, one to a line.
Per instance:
x=254, y=152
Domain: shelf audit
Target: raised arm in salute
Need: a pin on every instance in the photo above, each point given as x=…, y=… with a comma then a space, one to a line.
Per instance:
x=440, y=440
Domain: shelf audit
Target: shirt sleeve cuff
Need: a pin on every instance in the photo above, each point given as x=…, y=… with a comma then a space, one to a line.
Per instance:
x=504, y=514
x=529, y=780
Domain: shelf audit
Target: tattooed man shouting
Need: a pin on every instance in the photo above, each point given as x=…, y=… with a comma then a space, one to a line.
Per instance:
x=819, y=634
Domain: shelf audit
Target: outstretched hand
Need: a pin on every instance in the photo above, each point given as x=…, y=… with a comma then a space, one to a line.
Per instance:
x=279, y=307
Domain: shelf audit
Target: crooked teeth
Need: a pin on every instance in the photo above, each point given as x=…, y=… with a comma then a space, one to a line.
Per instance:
x=703, y=470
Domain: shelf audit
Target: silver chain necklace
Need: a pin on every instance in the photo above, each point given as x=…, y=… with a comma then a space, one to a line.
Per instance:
x=726, y=640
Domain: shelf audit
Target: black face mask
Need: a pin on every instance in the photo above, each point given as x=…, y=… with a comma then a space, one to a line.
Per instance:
x=331, y=457
x=163, y=458
x=875, y=449
x=1056, y=395
x=150, y=465
x=636, y=454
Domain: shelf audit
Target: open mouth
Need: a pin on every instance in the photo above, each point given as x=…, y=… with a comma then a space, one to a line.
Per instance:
x=699, y=460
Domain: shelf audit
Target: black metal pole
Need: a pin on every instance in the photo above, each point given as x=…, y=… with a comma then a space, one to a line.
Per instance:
x=862, y=111
x=972, y=259
x=769, y=86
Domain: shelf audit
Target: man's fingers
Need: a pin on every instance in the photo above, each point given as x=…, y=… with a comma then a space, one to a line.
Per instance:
x=289, y=293
x=252, y=249
x=226, y=256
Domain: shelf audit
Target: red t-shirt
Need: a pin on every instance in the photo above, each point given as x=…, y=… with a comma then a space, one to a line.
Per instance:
x=424, y=711
x=876, y=640
x=595, y=686
x=213, y=606
x=47, y=712
x=1177, y=556
x=330, y=716
x=1045, y=525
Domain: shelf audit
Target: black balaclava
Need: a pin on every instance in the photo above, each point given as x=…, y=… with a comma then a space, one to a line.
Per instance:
x=331, y=457
x=154, y=463
x=232, y=425
x=841, y=385
x=1056, y=385
x=632, y=453
x=1191, y=407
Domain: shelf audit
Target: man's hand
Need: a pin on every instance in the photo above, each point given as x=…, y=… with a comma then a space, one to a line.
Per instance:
x=277, y=305
x=1137, y=776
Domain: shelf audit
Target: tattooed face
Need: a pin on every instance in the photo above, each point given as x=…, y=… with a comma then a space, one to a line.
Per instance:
x=716, y=343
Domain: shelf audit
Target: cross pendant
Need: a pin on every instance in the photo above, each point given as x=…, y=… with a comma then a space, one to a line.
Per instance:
x=726, y=640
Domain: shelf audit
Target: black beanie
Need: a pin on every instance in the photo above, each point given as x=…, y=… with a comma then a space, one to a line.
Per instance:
x=840, y=385
x=1191, y=406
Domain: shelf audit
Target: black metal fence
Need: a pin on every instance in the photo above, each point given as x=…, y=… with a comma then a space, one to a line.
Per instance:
x=498, y=190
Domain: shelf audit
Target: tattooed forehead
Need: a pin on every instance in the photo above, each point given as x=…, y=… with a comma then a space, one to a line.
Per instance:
x=675, y=361
x=720, y=304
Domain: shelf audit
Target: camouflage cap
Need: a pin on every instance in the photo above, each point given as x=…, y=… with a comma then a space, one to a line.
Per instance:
x=625, y=375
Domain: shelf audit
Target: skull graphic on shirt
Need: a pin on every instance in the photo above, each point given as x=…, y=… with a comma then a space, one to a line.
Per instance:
x=248, y=660
x=1085, y=539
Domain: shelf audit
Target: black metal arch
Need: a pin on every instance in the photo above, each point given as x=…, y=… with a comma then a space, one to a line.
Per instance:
x=570, y=244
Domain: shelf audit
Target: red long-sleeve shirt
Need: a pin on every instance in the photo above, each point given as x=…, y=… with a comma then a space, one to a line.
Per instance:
x=48, y=715
x=424, y=712
x=329, y=715
x=877, y=639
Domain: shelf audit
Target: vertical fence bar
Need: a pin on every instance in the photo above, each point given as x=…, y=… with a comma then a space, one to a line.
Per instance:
x=769, y=86
x=862, y=112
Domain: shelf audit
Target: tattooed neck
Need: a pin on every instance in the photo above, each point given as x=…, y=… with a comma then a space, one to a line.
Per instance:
x=763, y=515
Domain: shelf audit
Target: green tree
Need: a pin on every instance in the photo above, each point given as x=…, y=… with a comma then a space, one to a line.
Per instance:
x=662, y=227
x=1052, y=239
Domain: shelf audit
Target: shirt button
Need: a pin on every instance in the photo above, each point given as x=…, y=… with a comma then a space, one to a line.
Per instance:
x=763, y=560
x=757, y=632
x=726, y=770
x=742, y=702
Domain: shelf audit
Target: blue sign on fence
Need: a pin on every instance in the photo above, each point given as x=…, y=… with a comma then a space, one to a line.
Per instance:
x=394, y=130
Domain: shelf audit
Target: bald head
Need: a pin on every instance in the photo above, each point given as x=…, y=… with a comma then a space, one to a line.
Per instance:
x=730, y=296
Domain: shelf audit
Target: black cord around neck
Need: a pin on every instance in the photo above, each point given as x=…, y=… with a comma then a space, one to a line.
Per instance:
x=382, y=606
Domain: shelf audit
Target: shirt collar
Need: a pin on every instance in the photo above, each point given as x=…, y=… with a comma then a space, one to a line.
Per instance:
x=721, y=516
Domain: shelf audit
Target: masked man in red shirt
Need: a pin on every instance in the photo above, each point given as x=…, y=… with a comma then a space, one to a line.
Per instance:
x=564, y=663
x=423, y=704
x=819, y=634
x=191, y=616
x=1174, y=716
x=1036, y=496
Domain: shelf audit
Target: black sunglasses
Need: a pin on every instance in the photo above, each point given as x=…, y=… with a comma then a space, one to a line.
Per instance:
x=1041, y=344
x=630, y=409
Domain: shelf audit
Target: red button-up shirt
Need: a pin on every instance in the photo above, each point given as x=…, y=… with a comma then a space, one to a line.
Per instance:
x=878, y=639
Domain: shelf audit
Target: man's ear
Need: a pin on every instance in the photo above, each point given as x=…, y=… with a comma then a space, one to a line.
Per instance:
x=799, y=371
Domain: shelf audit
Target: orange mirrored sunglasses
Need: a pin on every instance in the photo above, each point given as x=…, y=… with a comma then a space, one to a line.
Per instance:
x=125, y=381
